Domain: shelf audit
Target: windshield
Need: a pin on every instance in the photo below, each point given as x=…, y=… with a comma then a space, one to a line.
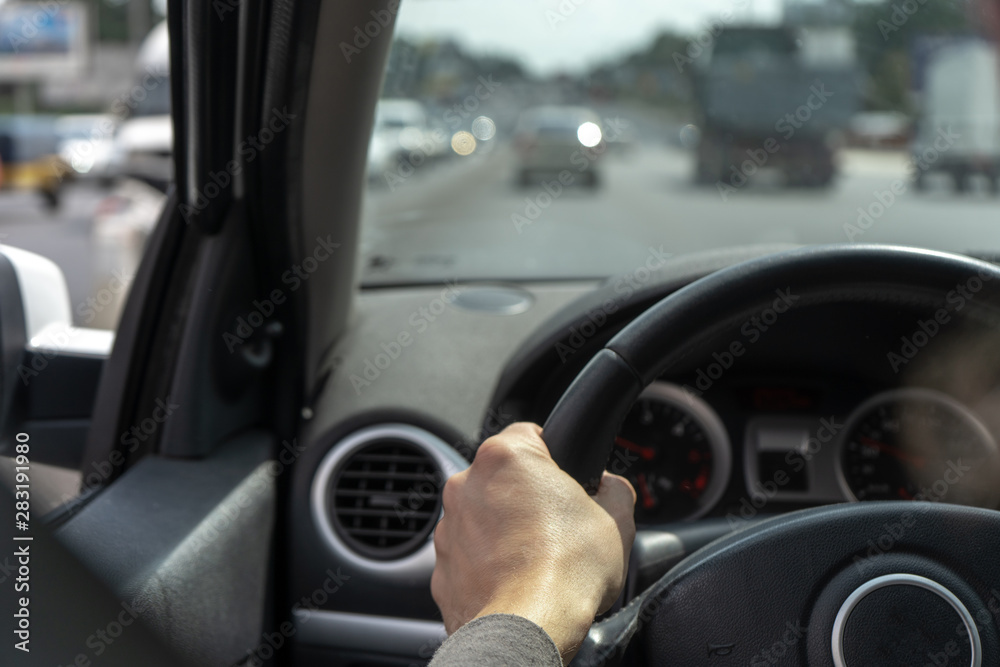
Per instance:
x=558, y=139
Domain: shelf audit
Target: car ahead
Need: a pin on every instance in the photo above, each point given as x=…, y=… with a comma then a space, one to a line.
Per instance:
x=550, y=140
x=260, y=448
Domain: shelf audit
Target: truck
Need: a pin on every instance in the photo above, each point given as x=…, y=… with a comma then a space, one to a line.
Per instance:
x=785, y=93
x=958, y=124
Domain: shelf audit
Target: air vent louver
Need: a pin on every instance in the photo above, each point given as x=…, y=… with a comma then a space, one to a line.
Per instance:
x=385, y=499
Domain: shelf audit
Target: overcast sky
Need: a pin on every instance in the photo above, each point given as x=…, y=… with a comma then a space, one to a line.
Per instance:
x=593, y=30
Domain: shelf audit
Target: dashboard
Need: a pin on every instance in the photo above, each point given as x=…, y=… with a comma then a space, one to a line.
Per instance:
x=816, y=409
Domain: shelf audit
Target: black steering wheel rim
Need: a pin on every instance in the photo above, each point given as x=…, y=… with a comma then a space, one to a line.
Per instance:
x=581, y=429
x=677, y=616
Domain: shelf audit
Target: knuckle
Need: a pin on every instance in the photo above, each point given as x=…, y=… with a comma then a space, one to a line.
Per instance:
x=496, y=451
x=437, y=584
x=451, y=492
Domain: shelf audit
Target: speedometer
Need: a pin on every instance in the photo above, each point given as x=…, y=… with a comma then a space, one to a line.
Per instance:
x=675, y=451
x=919, y=444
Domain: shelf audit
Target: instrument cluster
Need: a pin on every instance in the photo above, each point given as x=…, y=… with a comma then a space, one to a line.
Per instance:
x=901, y=444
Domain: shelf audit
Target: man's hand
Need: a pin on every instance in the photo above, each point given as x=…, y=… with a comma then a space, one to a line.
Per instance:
x=520, y=536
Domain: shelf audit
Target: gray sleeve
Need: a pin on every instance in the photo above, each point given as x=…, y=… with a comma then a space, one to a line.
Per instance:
x=500, y=639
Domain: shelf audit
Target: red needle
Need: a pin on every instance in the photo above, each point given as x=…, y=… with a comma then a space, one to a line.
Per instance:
x=645, y=452
x=892, y=451
x=647, y=500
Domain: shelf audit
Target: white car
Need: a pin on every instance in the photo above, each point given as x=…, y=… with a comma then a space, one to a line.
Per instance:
x=86, y=143
x=143, y=142
x=401, y=135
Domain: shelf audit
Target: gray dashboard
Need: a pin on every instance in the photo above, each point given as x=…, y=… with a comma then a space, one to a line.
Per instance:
x=459, y=373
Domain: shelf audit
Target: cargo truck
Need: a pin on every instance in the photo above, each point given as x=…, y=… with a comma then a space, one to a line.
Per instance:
x=789, y=91
x=958, y=129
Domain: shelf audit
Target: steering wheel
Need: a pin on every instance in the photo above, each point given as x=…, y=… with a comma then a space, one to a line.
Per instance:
x=840, y=586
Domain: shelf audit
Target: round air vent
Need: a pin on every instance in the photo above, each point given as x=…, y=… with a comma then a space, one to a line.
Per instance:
x=386, y=498
x=376, y=498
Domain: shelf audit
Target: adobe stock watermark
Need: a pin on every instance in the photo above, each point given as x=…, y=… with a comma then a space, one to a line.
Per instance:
x=39, y=21
x=626, y=286
x=130, y=441
x=901, y=14
x=787, y=127
x=248, y=150
x=926, y=330
x=704, y=40
x=455, y=116
x=53, y=340
x=763, y=492
x=562, y=12
x=294, y=278
x=105, y=636
x=752, y=330
x=272, y=642
x=583, y=159
x=82, y=153
x=648, y=609
x=363, y=35
x=419, y=321
x=259, y=484
x=886, y=199
x=893, y=532
x=428, y=489
x=775, y=653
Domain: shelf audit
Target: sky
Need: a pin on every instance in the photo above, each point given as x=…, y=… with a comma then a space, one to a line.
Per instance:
x=551, y=36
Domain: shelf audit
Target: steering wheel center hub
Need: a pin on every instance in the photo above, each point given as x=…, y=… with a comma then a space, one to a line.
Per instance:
x=904, y=619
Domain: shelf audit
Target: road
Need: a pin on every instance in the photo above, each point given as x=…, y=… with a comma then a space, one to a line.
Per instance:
x=466, y=218
x=460, y=219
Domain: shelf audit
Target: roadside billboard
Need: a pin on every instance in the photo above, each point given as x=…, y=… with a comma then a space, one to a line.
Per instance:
x=42, y=40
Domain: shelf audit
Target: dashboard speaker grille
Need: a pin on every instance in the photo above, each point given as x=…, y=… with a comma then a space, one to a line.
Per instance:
x=385, y=499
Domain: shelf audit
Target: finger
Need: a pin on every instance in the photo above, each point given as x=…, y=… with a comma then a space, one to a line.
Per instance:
x=616, y=496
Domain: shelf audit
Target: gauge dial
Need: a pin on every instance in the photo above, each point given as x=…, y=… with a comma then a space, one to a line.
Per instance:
x=675, y=451
x=919, y=444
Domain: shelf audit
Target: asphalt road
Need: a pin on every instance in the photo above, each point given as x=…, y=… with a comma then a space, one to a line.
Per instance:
x=468, y=218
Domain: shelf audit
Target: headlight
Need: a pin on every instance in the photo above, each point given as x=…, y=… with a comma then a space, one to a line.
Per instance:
x=589, y=134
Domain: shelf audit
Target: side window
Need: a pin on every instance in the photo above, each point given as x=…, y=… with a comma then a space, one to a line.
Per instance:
x=85, y=141
x=85, y=161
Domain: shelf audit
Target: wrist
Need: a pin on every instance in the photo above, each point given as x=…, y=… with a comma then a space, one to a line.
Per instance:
x=566, y=622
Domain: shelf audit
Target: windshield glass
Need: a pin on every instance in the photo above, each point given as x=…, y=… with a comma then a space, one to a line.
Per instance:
x=550, y=139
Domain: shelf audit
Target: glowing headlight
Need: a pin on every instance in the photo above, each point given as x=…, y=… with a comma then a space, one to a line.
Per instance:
x=483, y=128
x=463, y=143
x=589, y=134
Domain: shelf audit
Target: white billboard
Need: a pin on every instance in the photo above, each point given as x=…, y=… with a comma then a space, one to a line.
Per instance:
x=42, y=40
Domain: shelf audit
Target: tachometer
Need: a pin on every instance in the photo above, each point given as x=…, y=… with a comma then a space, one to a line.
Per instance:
x=919, y=444
x=675, y=451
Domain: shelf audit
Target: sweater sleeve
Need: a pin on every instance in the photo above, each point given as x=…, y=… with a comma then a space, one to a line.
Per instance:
x=499, y=639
